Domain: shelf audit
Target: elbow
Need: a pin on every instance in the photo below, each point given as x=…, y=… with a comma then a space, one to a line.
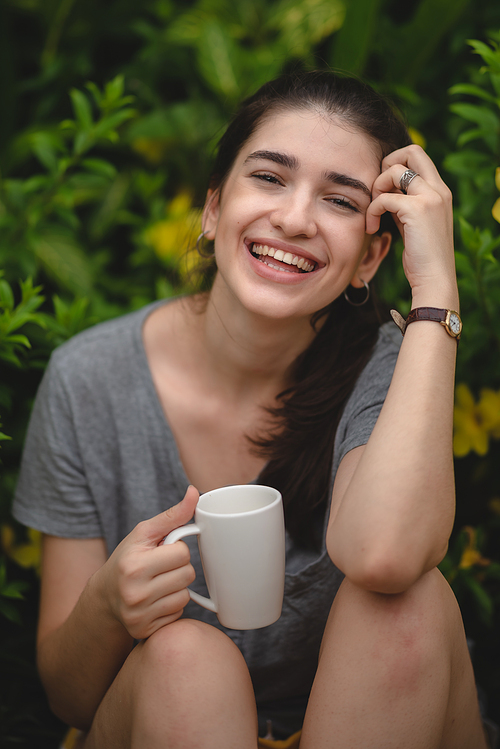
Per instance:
x=64, y=709
x=67, y=714
x=385, y=576
x=390, y=573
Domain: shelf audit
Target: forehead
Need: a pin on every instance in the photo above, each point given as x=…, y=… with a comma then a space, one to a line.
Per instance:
x=317, y=135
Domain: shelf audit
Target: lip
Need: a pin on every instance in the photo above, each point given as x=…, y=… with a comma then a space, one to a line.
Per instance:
x=280, y=274
x=285, y=247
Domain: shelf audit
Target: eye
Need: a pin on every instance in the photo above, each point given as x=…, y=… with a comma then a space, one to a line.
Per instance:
x=267, y=177
x=344, y=203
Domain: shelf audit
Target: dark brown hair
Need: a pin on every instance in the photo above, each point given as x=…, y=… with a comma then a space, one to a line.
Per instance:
x=300, y=448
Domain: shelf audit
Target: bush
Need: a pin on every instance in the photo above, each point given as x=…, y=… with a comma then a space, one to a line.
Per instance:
x=100, y=189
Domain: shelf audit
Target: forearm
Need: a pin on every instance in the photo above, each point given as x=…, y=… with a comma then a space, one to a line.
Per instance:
x=79, y=660
x=395, y=516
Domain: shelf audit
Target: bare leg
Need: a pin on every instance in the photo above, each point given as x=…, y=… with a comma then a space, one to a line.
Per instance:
x=394, y=672
x=187, y=687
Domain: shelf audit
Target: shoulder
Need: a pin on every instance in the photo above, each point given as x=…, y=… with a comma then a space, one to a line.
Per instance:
x=383, y=357
x=111, y=344
x=388, y=341
x=372, y=384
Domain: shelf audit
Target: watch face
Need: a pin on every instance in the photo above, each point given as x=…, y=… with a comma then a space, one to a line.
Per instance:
x=455, y=324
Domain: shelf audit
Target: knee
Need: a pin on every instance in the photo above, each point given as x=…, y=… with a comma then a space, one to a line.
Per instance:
x=184, y=645
x=410, y=634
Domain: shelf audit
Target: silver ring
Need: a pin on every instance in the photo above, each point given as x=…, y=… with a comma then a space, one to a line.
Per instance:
x=405, y=180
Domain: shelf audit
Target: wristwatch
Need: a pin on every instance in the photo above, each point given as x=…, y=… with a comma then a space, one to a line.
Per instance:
x=447, y=317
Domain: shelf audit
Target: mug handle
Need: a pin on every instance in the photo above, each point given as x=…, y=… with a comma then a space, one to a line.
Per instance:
x=190, y=530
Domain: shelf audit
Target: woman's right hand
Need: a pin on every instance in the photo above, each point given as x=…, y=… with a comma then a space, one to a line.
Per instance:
x=144, y=582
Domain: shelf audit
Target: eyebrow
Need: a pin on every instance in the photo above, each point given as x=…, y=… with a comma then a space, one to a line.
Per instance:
x=279, y=158
x=343, y=179
x=291, y=162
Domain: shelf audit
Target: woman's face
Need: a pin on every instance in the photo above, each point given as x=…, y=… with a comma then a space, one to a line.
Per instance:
x=289, y=224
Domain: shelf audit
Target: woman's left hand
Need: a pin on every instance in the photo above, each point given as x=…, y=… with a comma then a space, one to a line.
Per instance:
x=423, y=216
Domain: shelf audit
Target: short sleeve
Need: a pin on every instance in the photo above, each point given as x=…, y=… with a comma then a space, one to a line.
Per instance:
x=367, y=398
x=52, y=493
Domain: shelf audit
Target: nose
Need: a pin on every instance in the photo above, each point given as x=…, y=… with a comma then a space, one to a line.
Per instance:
x=294, y=215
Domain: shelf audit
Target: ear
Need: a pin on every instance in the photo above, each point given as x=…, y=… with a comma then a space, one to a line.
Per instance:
x=210, y=216
x=378, y=247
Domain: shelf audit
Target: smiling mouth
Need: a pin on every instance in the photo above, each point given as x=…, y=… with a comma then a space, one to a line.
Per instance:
x=267, y=255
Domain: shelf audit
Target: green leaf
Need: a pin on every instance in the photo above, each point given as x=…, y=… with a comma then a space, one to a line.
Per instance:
x=488, y=121
x=84, y=140
x=463, y=264
x=489, y=55
x=114, y=89
x=63, y=259
x=6, y=295
x=105, y=128
x=20, y=340
x=470, y=135
x=353, y=42
x=468, y=233
x=100, y=166
x=82, y=109
x=46, y=146
x=304, y=23
x=13, y=590
x=472, y=90
x=218, y=55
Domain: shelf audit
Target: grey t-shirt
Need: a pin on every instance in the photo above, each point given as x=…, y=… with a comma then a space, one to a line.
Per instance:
x=100, y=457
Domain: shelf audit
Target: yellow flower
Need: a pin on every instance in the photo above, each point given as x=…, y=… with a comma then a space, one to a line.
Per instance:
x=496, y=211
x=26, y=555
x=496, y=208
x=417, y=137
x=469, y=433
x=169, y=237
x=488, y=410
x=471, y=556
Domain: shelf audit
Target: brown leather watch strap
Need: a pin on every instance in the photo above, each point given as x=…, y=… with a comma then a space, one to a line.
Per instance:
x=448, y=318
x=427, y=313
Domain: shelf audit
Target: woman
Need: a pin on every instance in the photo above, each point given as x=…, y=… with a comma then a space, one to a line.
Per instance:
x=280, y=371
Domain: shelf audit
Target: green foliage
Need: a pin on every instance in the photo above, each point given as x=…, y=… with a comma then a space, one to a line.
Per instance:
x=9, y=592
x=39, y=216
x=91, y=183
x=478, y=237
x=14, y=317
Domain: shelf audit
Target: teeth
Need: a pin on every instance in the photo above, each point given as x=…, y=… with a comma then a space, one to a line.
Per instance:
x=283, y=257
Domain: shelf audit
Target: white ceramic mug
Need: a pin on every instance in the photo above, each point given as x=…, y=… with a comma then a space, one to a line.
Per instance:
x=241, y=536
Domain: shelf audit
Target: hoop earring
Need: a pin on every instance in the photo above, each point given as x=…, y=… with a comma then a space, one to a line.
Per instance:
x=198, y=243
x=358, y=304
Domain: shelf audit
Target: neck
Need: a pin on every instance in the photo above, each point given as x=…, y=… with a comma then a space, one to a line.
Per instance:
x=248, y=351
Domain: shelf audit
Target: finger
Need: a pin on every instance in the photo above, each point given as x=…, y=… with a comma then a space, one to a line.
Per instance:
x=165, y=584
x=151, y=532
x=164, y=612
x=414, y=157
x=390, y=181
x=165, y=558
x=385, y=202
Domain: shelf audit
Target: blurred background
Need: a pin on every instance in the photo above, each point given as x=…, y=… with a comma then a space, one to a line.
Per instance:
x=110, y=113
